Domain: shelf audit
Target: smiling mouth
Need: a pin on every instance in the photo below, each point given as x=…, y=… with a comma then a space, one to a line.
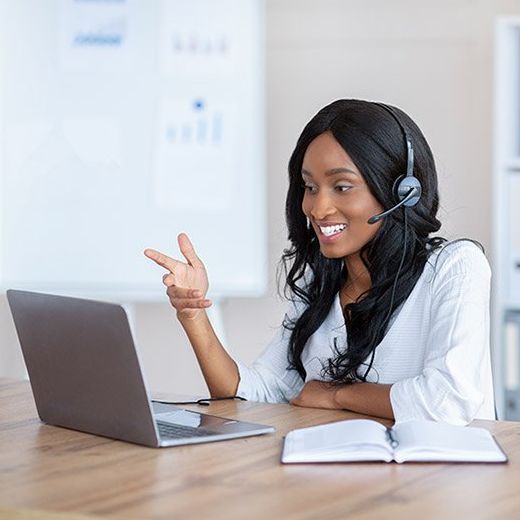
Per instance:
x=330, y=231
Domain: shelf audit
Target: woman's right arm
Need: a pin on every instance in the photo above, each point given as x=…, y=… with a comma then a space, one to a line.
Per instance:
x=218, y=367
x=187, y=285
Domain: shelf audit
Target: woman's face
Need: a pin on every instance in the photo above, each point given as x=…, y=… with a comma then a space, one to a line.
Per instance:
x=337, y=200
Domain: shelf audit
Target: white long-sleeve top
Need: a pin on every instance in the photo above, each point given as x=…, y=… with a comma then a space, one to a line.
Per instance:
x=435, y=353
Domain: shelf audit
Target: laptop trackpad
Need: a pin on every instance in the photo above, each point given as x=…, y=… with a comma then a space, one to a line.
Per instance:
x=199, y=420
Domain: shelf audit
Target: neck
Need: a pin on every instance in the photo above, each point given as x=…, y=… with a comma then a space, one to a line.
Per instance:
x=358, y=280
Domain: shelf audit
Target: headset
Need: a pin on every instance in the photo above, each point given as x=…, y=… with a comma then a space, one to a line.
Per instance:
x=407, y=188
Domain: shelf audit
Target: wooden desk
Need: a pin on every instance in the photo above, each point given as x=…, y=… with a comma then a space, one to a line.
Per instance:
x=48, y=468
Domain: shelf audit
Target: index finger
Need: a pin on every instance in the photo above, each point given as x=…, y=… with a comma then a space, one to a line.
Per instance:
x=161, y=259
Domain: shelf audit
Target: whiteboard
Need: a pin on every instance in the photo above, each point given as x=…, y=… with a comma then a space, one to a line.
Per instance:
x=123, y=123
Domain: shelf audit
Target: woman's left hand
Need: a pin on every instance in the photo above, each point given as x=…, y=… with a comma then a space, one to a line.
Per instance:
x=317, y=394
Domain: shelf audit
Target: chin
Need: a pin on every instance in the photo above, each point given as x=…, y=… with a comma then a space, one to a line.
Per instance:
x=339, y=250
x=329, y=252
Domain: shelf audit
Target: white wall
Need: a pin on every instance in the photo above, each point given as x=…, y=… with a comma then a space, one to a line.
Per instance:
x=433, y=59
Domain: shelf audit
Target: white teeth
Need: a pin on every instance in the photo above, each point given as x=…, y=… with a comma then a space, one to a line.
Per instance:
x=332, y=230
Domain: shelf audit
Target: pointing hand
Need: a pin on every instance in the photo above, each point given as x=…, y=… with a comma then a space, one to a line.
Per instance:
x=186, y=282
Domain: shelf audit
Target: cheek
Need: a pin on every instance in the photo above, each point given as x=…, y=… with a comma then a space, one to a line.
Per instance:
x=356, y=208
x=359, y=211
x=363, y=208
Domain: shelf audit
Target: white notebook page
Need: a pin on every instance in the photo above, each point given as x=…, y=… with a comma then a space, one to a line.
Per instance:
x=339, y=436
x=434, y=436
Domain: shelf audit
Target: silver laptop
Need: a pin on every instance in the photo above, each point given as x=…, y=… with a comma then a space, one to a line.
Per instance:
x=85, y=375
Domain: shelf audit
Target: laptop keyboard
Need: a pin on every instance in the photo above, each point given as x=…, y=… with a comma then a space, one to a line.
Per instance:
x=179, y=431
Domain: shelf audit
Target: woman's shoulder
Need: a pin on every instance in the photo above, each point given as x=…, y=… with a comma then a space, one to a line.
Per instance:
x=458, y=257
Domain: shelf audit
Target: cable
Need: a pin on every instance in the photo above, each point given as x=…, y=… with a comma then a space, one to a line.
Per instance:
x=386, y=320
x=203, y=402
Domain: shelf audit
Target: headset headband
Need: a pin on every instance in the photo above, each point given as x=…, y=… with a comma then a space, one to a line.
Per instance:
x=407, y=138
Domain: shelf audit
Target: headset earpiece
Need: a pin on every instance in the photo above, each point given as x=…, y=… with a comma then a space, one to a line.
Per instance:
x=402, y=187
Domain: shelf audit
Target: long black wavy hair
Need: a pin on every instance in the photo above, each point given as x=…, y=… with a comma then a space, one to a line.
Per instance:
x=374, y=141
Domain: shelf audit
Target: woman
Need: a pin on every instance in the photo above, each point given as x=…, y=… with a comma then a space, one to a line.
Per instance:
x=383, y=319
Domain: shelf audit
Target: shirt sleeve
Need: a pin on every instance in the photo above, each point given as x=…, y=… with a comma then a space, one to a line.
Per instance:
x=268, y=379
x=452, y=385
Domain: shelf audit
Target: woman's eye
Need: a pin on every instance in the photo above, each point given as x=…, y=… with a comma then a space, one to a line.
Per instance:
x=312, y=189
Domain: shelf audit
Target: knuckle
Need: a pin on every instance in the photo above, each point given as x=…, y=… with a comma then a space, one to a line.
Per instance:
x=168, y=280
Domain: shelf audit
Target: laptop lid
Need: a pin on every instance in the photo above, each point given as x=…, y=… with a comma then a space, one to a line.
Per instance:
x=83, y=366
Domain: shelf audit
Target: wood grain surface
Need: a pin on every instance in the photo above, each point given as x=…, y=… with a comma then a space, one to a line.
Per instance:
x=52, y=469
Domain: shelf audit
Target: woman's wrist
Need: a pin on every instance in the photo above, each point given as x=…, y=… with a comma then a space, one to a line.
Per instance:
x=338, y=396
x=188, y=321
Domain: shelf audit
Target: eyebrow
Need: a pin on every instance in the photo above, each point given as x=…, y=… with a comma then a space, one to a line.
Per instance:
x=332, y=171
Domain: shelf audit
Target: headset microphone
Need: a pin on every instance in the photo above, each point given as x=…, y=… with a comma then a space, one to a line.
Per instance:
x=407, y=188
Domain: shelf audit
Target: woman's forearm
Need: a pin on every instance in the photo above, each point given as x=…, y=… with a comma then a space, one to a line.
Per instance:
x=218, y=367
x=365, y=398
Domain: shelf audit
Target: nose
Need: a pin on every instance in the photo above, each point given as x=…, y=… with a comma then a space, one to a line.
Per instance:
x=322, y=206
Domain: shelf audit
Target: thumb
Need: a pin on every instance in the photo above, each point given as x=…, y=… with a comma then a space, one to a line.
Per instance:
x=188, y=250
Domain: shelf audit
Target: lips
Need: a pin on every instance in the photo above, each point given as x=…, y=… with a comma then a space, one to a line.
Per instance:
x=332, y=230
x=334, y=235
x=327, y=223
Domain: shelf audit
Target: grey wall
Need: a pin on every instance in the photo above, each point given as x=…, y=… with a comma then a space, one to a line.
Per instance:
x=433, y=59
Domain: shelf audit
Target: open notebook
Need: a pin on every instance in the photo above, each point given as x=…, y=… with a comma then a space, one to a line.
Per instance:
x=366, y=440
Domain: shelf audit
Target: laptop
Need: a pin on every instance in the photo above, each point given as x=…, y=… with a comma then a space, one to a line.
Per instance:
x=85, y=375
